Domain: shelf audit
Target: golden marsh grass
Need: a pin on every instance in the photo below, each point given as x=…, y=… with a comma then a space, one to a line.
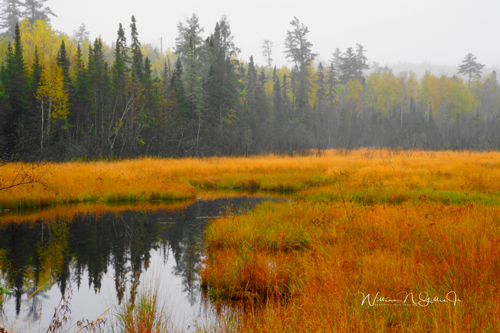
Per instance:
x=475, y=174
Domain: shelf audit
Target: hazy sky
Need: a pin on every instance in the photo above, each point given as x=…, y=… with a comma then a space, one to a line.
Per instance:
x=439, y=31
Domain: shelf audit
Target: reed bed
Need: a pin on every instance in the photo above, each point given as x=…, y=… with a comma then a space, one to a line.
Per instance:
x=311, y=263
x=474, y=173
x=392, y=243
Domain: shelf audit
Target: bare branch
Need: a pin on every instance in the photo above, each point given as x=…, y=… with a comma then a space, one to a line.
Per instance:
x=26, y=175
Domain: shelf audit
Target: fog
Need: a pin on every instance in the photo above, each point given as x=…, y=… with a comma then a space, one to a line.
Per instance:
x=439, y=32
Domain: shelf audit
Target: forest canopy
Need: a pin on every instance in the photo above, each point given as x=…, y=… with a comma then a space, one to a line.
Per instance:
x=67, y=97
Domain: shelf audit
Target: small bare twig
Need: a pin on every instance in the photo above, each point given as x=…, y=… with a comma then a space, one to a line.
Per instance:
x=26, y=175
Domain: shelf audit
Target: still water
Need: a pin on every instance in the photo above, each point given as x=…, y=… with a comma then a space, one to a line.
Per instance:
x=95, y=259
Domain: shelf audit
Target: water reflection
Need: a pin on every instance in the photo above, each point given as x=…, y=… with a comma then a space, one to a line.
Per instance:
x=80, y=251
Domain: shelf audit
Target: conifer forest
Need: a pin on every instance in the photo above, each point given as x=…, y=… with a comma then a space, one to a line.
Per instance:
x=64, y=98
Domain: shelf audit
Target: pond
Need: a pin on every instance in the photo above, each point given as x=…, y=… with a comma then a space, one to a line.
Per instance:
x=94, y=259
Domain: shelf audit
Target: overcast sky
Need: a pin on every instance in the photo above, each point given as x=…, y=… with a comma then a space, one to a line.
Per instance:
x=439, y=31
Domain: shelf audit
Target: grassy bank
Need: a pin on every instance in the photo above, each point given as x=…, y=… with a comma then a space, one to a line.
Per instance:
x=456, y=175
x=310, y=264
x=392, y=243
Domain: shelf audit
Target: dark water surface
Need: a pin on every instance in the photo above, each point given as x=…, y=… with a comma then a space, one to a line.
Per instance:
x=96, y=259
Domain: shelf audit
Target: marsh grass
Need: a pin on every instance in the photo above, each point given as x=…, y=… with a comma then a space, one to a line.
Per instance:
x=387, y=223
x=143, y=310
x=384, y=249
x=149, y=179
x=360, y=222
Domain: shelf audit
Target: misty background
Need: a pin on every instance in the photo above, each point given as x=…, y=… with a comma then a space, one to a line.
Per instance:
x=396, y=33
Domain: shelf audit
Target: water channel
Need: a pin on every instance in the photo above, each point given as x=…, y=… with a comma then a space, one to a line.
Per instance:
x=95, y=258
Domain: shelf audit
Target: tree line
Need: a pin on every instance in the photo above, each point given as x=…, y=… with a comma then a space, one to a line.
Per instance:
x=63, y=98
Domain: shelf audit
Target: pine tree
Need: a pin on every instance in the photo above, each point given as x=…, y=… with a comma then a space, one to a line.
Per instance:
x=297, y=47
x=299, y=50
x=189, y=39
x=36, y=10
x=361, y=64
x=470, y=68
x=10, y=16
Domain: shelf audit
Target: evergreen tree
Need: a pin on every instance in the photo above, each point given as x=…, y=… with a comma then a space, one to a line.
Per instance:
x=267, y=52
x=80, y=98
x=15, y=89
x=118, y=69
x=177, y=90
x=221, y=88
x=36, y=10
x=470, y=68
x=137, y=57
x=148, y=72
x=10, y=16
x=277, y=100
x=32, y=122
x=189, y=38
x=193, y=93
x=297, y=47
x=122, y=40
x=299, y=50
x=361, y=64
x=64, y=63
x=320, y=107
x=81, y=34
x=251, y=88
x=348, y=66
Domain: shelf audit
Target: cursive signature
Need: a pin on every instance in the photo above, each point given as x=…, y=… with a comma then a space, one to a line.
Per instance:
x=408, y=298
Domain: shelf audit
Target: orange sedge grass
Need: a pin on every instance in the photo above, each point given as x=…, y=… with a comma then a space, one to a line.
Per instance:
x=449, y=252
x=171, y=179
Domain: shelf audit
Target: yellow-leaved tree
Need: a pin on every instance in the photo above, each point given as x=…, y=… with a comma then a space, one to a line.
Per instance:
x=53, y=98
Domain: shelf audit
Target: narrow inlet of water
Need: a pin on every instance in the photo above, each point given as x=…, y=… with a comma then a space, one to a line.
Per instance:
x=99, y=260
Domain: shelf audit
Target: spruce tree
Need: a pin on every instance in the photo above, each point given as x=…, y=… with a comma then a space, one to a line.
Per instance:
x=122, y=40
x=79, y=97
x=16, y=91
x=32, y=124
x=64, y=63
x=137, y=57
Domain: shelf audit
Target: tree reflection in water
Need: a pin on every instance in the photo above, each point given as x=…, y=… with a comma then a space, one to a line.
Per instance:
x=58, y=252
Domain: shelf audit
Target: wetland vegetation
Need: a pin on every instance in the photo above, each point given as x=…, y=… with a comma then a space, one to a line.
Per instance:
x=369, y=240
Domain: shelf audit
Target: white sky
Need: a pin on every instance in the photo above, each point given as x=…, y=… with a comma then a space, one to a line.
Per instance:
x=438, y=31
